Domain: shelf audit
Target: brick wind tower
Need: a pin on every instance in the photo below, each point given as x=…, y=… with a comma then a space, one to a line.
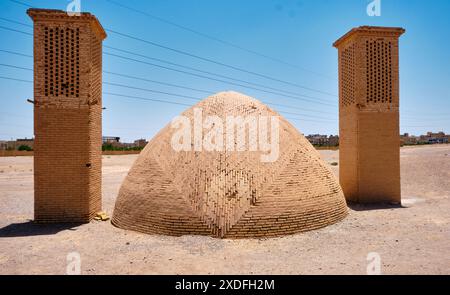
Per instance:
x=67, y=115
x=369, y=114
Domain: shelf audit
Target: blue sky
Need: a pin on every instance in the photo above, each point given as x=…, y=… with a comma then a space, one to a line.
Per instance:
x=294, y=36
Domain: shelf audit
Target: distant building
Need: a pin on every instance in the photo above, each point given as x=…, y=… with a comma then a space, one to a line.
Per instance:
x=110, y=139
x=24, y=142
x=435, y=138
x=323, y=140
x=3, y=145
x=407, y=139
x=141, y=143
x=107, y=140
x=16, y=144
x=429, y=138
x=114, y=143
x=333, y=140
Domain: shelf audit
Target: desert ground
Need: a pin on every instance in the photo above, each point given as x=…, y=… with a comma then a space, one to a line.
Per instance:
x=411, y=239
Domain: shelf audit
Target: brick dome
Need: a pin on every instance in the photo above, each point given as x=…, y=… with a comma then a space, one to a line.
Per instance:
x=229, y=194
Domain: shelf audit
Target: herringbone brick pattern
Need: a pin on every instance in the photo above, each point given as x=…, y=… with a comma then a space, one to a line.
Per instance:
x=229, y=194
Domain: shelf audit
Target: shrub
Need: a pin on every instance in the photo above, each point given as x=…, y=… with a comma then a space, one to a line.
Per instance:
x=25, y=148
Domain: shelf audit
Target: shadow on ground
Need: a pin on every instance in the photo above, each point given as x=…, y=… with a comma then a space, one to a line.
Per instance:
x=31, y=228
x=369, y=207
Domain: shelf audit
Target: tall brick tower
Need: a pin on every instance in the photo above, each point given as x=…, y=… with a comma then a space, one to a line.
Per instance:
x=67, y=115
x=369, y=114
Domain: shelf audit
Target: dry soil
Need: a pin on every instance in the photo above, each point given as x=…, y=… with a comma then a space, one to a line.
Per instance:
x=412, y=239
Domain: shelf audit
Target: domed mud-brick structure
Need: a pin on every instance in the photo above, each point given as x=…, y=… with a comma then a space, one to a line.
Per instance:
x=229, y=194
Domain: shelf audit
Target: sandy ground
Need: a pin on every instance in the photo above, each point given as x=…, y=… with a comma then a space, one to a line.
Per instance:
x=413, y=239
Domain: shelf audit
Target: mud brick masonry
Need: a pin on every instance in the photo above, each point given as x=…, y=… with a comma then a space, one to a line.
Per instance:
x=229, y=194
x=369, y=114
x=67, y=115
x=220, y=193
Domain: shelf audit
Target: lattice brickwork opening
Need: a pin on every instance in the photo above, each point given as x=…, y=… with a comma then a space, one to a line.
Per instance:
x=348, y=76
x=379, y=71
x=62, y=61
x=96, y=70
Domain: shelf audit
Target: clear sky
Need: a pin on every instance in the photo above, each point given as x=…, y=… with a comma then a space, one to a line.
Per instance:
x=284, y=45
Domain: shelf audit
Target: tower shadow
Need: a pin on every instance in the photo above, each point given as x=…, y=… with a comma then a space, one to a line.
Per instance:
x=31, y=228
x=376, y=206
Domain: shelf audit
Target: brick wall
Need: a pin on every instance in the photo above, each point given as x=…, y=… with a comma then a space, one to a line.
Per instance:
x=229, y=194
x=369, y=114
x=67, y=116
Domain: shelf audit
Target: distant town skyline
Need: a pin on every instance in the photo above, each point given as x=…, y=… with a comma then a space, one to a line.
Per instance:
x=319, y=140
x=284, y=47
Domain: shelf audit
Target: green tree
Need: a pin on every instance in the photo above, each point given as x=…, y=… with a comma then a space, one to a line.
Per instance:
x=25, y=148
